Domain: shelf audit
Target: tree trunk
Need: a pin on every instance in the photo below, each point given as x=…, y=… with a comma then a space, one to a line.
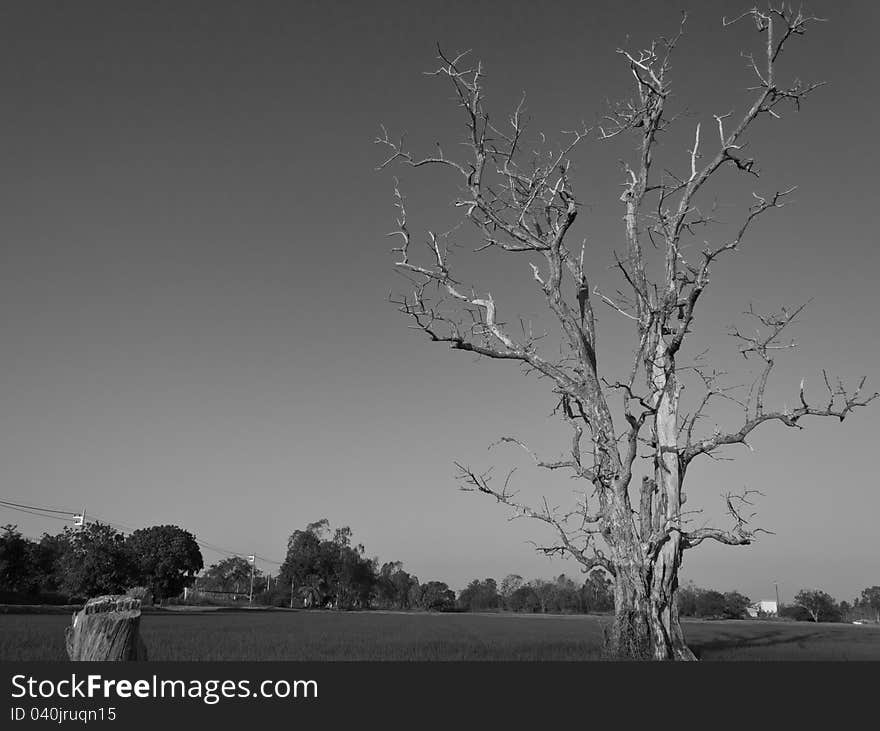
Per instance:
x=646, y=623
x=668, y=638
x=646, y=620
x=106, y=628
x=630, y=637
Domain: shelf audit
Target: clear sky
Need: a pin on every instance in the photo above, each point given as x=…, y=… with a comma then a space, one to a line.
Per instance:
x=195, y=276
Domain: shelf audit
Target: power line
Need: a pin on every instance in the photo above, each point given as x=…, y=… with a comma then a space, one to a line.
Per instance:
x=35, y=507
x=35, y=510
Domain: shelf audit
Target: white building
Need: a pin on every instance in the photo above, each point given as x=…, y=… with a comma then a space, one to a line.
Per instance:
x=763, y=608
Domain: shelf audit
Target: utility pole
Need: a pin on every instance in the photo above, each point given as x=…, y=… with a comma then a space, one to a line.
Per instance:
x=778, y=605
x=253, y=560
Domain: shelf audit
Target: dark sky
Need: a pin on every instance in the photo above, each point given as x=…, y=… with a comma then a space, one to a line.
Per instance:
x=195, y=274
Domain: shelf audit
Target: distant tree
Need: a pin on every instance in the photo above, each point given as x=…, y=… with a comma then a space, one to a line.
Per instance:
x=232, y=574
x=386, y=591
x=165, y=559
x=710, y=603
x=794, y=611
x=735, y=605
x=818, y=604
x=16, y=569
x=509, y=584
x=94, y=561
x=871, y=598
x=310, y=595
x=544, y=592
x=598, y=592
x=524, y=599
x=45, y=556
x=489, y=597
x=567, y=598
x=687, y=600
x=303, y=555
x=415, y=594
x=479, y=596
x=353, y=577
x=393, y=586
x=403, y=582
x=329, y=563
x=437, y=596
x=467, y=596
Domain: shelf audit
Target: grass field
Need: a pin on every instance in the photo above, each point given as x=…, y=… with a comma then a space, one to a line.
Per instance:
x=280, y=635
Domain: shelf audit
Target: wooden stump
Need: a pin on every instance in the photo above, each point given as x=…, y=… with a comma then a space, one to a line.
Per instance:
x=107, y=628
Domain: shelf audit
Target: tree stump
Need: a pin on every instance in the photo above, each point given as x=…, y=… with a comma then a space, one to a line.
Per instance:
x=107, y=628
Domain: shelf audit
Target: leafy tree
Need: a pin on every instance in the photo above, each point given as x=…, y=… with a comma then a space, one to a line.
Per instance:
x=524, y=599
x=871, y=598
x=16, y=569
x=94, y=561
x=544, y=591
x=479, y=596
x=437, y=596
x=710, y=603
x=415, y=594
x=687, y=599
x=232, y=574
x=735, y=605
x=520, y=196
x=330, y=565
x=818, y=604
x=393, y=586
x=303, y=554
x=403, y=582
x=165, y=558
x=794, y=611
x=45, y=556
x=567, y=598
x=386, y=591
x=598, y=592
x=509, y=584
x=354, y=578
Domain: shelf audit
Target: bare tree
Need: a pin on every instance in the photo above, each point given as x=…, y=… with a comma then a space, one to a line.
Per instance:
x=522, y=202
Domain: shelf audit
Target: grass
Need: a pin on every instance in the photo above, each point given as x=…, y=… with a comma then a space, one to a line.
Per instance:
x=279, y=635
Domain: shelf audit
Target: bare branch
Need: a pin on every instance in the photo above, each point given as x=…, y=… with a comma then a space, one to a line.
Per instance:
x=740, y=535
x=586, y=554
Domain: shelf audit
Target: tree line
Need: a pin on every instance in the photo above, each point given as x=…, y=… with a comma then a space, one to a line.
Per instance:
x=96, y=559
x=819, y=606
x=323, y=568
x=813, y=605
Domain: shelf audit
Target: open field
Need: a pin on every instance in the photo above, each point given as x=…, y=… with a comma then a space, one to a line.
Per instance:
x=320, y=635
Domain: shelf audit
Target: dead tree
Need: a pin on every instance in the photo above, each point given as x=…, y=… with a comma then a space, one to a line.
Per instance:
x=522, y=202
x=107, y=628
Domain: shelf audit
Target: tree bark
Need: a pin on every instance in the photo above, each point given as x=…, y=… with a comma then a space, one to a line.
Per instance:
x=630, y=637
x=662, y=567
x=646, y=620
x=668, y=638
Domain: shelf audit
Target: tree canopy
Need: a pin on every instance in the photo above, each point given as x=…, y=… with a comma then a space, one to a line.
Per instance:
x=335, y=572
x=165, y=558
